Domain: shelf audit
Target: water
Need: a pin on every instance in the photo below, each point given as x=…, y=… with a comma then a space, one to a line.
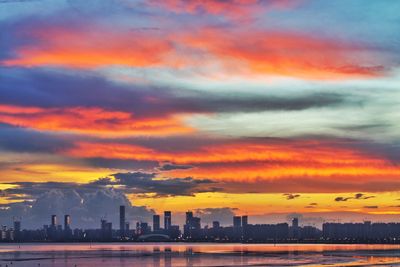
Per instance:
x=200, y=254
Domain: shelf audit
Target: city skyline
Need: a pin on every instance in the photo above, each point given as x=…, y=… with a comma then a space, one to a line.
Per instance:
x=192, y=231
x=270, y=109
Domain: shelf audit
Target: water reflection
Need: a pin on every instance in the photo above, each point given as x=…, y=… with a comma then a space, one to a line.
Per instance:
x=180, y=254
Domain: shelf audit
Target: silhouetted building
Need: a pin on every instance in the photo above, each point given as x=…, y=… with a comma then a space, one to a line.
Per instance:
x=17, y=229
x=216, y=224
x=192, y=227
x=167, y=220
x=156, y=223
x=53, y=220
x=295, y=230
x=122, y=221
x=106, y=230
x=245, y=221
x=237, y=221
x=67, y=222
x=295, y=222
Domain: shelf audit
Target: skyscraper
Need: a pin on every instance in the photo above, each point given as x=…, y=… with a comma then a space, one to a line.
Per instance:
x=67, y=222
x=53, y=220
x=216, y=224
x=156, y=222
x=237, y=221
x=17, y=226
x=167, y=220
x=245, y=220
x=17, y=229
x=189, y=217
x=122, y=221
x=295, y=222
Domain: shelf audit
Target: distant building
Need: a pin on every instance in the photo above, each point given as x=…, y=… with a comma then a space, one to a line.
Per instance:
x=122, y=221
x=167, y=220
x=216, y=224
x=295, y=222
x=106, y=230
x=156, y=222
x=192, y=227
x=53, y=220
x=67, y=222
x=237, y=221
x=245, y=221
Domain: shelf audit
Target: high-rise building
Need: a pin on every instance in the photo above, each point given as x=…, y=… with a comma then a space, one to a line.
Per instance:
x=189, y=217
x=192, y=227
x=17, y=229
x=122, y=221
x=295, y=222
x=245, y=220
x=216, y=224
x=237, y=221
x=53, y=220
x=167, y=220
x=106, y=230
x=67, y=222
x=17, y=226
x=156, y=222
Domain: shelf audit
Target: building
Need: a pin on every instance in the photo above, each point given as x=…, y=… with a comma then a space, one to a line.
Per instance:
x=67, y=222
x=53, y=220
x=167, y=220
x=245, y=220
x=156, y=222
x=237, y=221
x=192, y=227
x=122, y=222
x=105, y=230
x=216, y=224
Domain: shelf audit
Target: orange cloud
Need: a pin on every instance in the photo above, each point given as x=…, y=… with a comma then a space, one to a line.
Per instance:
x=259, y=163
x=254, y=52
x=286, y=54
x=90, y=120
x=89, y=47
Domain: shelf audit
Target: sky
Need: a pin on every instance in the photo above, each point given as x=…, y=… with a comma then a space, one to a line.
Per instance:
x=269, y=108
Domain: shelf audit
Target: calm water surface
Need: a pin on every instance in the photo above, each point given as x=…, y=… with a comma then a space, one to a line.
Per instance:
x=187, y=254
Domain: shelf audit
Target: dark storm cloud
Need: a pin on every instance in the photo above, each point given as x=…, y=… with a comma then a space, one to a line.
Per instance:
x=371, y=207
x=128, y=183
x=50, y=88
x=131, y=182
x=171, y=166
x=25, y=140
x=139, y=182
x=339, y=199
x=358, y=196
x=291, y=196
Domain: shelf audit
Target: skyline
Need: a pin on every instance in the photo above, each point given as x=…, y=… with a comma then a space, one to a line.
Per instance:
x=264, y=108
x=240, y=230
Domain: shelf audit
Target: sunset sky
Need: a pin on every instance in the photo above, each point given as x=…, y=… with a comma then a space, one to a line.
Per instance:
x=258, y=107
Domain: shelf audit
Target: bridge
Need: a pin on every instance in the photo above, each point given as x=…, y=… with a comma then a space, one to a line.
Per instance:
x=154, y=237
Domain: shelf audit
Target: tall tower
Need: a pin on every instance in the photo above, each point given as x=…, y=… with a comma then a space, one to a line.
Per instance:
x=237, y=221
x=245, y=220
x=67, y=222
x=167, y=220
x=53, y=220
x=156, y=222
x=122, y=221
x=295, y=222
x=189, y=217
